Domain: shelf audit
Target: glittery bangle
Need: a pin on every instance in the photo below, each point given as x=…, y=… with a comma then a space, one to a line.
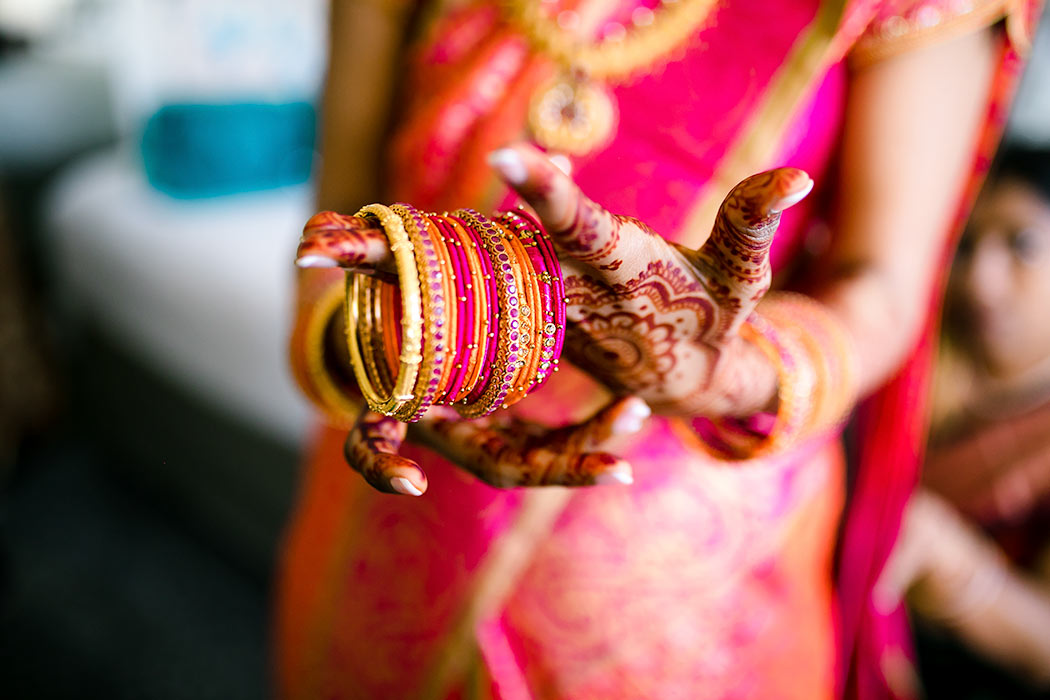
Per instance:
x=501, y=377
x=457, y=275
x=411, y=319
x=487, y=340
x=530, y=315
x=481, y=291
x=557, y=282
x=552, y=288
x=433, y=314
x=454, y=311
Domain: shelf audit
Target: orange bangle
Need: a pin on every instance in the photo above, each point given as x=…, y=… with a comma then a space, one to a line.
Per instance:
x=531, y=326
x=478, y=343
x=451, y=319
x=508, y=285
x=430, y=286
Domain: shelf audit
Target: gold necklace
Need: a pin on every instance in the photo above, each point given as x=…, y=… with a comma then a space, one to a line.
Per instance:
x=575, y=112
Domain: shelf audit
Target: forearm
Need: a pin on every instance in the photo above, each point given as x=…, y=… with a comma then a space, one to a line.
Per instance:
x=364, y=46
x=970, y=587
x=911, y=131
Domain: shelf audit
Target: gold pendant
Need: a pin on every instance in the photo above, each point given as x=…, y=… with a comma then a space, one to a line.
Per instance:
x=574, y=116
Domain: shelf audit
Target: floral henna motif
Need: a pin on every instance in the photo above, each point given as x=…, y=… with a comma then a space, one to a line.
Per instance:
x=658, y=331
x=645, y=317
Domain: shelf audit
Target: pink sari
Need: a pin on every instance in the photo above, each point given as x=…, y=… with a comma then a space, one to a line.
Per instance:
x=703, y=579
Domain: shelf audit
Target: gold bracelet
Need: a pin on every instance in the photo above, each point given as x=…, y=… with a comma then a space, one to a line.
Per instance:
x=411, y=318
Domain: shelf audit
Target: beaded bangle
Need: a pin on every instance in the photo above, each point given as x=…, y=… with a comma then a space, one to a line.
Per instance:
x=454, y=311
x=411, y=318
x=480, y=288
x=491, y=314
x=531, y=319
x=457, y=274
x=501, y=376
x=553, y=349
x=544, y=261
x=433, y=315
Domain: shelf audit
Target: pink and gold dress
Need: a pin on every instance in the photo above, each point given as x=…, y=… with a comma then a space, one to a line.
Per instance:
x=705, y=578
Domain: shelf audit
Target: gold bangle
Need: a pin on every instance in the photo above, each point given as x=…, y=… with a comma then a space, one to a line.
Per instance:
x=433, y=348
x=411, y=318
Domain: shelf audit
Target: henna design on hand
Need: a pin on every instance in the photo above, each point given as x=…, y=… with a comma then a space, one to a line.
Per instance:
x=647, y=317
x=503, y=451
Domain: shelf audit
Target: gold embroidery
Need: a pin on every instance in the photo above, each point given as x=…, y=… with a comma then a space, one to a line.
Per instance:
x=927, y=23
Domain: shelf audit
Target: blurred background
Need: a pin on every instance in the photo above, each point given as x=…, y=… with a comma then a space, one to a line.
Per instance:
x=155, y=173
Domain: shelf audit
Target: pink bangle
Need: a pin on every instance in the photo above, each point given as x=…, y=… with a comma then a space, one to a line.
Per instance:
x=501, y=377
x=432, y=289
x=487, y=339
x=464, y=308
x=554, y=326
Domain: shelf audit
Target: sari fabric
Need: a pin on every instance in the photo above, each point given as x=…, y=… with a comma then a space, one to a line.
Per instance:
x=704, y=578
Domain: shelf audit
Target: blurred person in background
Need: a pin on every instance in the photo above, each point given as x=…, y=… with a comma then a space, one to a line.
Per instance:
x=975, y=550
x=712, y=575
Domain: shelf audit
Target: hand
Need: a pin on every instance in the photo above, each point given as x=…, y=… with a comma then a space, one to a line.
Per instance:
x=996, y=472
x=647, y=317
x=502, y=451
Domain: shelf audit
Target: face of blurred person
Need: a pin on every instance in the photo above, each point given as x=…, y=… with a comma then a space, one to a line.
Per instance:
x=1002, y=279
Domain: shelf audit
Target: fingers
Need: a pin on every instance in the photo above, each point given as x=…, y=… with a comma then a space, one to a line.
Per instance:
x=562, y=457
x=334, y=240
x=371, y=449
x=621, y=417
x=736, y=257
x=578, y=226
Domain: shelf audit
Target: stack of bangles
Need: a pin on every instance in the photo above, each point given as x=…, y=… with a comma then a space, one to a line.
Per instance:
x=476, y=319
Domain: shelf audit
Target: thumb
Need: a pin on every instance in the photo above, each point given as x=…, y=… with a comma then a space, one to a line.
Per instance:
x=736, y=256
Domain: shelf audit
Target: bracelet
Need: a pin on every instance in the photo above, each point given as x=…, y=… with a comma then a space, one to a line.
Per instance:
x=488, y=397
x=528, y=329
x=545, y=262
x=433, y=314
x=480, y=289
x=476, y=319
x=411, y=317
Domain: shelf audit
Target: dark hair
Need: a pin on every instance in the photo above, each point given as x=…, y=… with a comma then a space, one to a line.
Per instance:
x=1028, y=163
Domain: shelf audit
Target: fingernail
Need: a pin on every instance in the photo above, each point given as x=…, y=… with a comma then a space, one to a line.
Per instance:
x=403, y=485
x=316, y=261
x=639, y=409
x=792, y=199
x=626, y=425
x=563, y=163
x=509, y=164
x=616, y=475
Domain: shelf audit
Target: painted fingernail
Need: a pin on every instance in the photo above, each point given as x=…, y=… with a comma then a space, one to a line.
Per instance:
x=403, y=485
x=509, y=164
x=563, y=163
x=792, y=199
x=639, y=409
x=316, y=261
x=617, y=475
